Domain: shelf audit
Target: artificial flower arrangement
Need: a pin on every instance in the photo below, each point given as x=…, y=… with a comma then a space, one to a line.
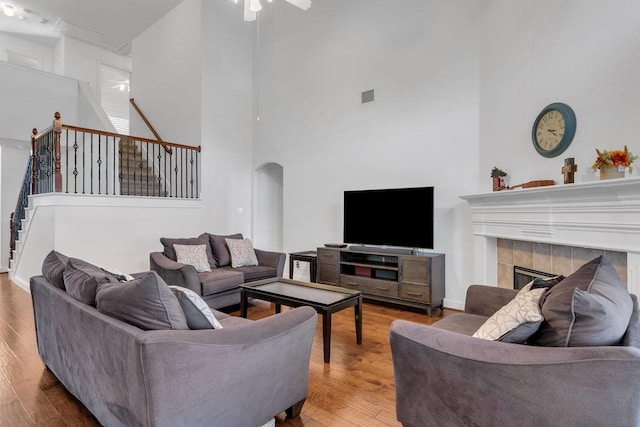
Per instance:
x=495, y=172
x=614, y=159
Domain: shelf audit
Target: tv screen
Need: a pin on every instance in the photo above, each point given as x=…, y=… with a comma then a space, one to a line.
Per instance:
x=390, y=217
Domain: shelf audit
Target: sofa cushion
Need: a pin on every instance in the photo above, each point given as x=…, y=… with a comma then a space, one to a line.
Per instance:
x=195, y=255
x=81, y=280
x=257, y=272
x=591, y=307
x=242, y=253
x=197, y=312
x=220, y=280
x=517, y=320
x=170, y=252
x=462, y=323
x=53, y=268
x=219, y=247
x=147, y=303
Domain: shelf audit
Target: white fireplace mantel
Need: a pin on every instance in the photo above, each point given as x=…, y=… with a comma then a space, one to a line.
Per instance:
x=598, y=214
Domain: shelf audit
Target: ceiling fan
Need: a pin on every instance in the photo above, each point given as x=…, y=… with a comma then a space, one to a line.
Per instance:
x=252, y=7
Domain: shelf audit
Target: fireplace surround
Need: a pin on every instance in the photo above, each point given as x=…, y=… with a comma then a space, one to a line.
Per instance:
x=574, y=223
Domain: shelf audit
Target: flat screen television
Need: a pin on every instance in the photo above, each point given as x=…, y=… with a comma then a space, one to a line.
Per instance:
x=401, y=217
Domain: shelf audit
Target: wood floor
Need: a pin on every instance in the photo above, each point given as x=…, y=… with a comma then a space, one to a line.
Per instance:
x=355, y=389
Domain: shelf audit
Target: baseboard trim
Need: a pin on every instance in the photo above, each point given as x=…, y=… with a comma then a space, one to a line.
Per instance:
x=454, y=304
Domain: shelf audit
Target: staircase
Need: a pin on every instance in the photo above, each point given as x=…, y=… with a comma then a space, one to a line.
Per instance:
x=137, y=178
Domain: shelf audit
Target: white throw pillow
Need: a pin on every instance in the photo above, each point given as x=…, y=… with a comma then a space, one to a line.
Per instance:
x=516, y=321
x=197, y=312
x=242, y=253
x=195, y=255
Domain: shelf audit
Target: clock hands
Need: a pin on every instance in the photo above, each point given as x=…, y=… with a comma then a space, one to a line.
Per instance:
x=553, y=131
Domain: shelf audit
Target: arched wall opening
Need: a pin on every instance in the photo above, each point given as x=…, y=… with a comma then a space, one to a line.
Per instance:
x=268, y=227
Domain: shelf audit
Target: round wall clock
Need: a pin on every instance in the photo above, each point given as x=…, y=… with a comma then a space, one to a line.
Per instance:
x=554, y=129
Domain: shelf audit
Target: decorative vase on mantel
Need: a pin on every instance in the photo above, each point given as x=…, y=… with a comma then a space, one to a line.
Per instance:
x=611, y=173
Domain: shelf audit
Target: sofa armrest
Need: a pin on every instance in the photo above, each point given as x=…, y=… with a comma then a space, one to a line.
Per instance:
x=272, y=259
x=460, y=380
x=485, y=300
x=242, y=375
x=175, y=273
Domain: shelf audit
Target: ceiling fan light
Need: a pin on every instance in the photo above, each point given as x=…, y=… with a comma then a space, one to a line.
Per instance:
x=9, y=10
x=255, y=6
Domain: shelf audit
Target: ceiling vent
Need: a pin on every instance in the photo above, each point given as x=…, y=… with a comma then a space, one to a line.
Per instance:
x=96, y=38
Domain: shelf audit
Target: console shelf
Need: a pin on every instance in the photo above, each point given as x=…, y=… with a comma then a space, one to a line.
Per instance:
x=408, y=280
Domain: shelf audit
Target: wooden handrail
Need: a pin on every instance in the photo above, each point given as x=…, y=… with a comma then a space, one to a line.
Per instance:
x=144, y=119
x=135, y=138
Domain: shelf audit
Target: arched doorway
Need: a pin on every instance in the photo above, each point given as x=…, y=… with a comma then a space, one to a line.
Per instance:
x=268, y=213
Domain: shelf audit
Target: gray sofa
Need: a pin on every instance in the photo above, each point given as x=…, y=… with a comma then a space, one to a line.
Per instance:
x=445, y=377
x=221, y=286
x=239, y=376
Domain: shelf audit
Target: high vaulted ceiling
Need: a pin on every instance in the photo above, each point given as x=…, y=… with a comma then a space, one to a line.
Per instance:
x=110, y=24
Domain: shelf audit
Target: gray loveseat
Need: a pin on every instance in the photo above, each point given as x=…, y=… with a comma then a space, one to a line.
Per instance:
x=239, y=376
x=445, y=377
x=219, y=287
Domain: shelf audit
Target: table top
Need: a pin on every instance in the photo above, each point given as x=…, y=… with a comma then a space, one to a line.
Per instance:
x=304, y=291
x=305, y=253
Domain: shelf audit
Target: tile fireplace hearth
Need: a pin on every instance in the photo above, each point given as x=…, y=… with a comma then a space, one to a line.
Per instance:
x=571, y=223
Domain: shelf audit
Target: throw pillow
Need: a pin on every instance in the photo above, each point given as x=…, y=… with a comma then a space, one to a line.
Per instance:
x=591, y=307
x=242, y=253
x=122, y=277
x=81, y=280
x=197, y=312
x=170, y=252
x=147, y=303
x=516, y=321
x=219, y=247
x=53, y=268
x=195, y=255
x=546, y=283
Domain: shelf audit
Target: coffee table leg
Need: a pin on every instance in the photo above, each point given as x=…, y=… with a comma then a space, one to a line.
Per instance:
x=358, y=315
x=243, y=303
x=278, y=307
x=326, y=336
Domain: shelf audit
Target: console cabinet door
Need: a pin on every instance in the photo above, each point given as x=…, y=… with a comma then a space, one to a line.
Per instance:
x=328, y=266
x=415, y=271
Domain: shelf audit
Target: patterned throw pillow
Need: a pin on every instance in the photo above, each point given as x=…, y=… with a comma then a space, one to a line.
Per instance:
x=516, y=321
x=242, y=253
x=195, y=255
x=197, y=312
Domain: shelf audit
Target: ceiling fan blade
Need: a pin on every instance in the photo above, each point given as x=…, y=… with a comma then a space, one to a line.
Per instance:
x=249, y=15
x=302, y=4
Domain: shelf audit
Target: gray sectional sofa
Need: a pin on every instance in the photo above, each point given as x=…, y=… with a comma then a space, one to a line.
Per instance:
x=446, y=377
x=219, y=287
x=241, y=375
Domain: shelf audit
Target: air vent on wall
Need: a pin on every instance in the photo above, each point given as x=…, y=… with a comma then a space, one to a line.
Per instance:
x=367, y=96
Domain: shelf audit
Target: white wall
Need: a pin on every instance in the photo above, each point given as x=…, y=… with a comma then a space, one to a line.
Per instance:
x=43, y=53
x=202, y=96
x=581, y=52
x=227, y=117
x=109, y=231
x=421, y=130
x=30, y=98
x=82, y=61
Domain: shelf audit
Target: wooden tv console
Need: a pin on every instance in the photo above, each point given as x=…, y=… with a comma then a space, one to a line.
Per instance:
x=408, y=280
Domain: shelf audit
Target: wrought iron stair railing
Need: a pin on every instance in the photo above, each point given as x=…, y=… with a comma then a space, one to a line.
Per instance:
x=76, y=160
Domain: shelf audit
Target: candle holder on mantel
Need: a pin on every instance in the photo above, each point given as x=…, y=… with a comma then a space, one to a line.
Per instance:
x=498, y=179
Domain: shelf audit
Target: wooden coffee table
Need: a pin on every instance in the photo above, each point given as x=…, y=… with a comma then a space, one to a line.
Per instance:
x=325, y=299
